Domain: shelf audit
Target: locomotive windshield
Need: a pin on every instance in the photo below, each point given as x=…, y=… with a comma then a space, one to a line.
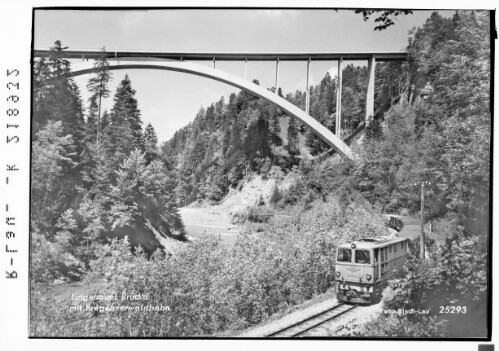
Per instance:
x=362, y=256
x=344, y=255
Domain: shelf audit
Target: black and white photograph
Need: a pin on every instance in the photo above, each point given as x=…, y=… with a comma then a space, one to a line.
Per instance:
x=259, y=173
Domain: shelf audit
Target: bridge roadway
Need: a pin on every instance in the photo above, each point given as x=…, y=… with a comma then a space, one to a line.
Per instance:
x=226, y=56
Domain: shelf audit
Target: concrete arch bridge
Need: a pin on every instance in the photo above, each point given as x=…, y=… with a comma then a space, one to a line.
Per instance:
x=175, y=62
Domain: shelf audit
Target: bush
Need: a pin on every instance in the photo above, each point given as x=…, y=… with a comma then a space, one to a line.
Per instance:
x=275, y=195
x=259, y=214
x=50, y=261
x=211, y=287
x=456, y=275
x=294, y=194
x=394, y=326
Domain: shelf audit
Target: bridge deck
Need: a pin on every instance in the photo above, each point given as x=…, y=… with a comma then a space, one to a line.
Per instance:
x=226, y=56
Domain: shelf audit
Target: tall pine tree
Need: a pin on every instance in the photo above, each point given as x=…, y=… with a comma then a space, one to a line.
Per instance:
x=150, y=144
x=125, y=130
x=293, y=145
x=97, y=85
x=57, y=98
x=92, y=122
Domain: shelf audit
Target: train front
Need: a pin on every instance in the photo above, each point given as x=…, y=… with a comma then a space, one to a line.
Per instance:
x=355, y=272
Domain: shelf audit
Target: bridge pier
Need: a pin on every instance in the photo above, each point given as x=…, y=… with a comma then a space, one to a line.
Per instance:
x=246, y=68
x=307, y=96
x=338, y=97
x=371, y=67
x=277, y=76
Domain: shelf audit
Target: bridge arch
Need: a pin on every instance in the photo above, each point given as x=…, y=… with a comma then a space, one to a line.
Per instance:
x=184, y=67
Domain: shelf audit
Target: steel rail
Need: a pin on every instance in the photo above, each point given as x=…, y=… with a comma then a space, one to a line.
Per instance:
x=311, y=318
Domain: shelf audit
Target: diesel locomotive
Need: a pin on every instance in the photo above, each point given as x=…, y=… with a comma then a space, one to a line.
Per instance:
x=363, y=267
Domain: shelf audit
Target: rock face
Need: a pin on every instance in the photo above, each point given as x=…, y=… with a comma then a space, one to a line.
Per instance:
x=249, y=194
x=142, y=233
x=138, y=235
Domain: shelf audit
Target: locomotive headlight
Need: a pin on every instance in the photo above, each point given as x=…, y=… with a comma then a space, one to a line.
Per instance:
x=368, y=277
x=338, y=274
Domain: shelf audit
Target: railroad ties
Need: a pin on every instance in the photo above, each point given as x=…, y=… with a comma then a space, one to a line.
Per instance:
x=300, y=328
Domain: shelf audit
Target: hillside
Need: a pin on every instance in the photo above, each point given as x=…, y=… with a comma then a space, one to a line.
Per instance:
x=232, y=139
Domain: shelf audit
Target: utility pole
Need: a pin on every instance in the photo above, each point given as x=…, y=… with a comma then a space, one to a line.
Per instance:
x=422, y=237
x=338, y=97
x=307, y=92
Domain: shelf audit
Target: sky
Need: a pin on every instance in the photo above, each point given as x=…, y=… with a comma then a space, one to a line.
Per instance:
x=170, y=100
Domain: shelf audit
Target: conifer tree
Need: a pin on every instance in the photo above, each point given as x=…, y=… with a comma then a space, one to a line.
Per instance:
x=293, y=146
x=182, y=191
x=256, y=140
x=92, y=121
x=97, y=85
x=104, y=122
x=56, y=97
x=125, y=130
x=150, y=143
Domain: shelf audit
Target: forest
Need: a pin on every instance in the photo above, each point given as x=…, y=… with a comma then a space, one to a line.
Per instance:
x=105, y=195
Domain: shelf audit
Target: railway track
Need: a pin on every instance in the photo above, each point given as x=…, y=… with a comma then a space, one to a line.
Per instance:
x=312, y=322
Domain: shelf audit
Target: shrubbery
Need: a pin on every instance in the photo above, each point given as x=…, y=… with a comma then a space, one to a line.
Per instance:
x=211, y=287
x=454, y=276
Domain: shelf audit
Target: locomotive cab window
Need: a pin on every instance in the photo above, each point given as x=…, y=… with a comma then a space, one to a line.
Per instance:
x=344, y=255
x=362, y=256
